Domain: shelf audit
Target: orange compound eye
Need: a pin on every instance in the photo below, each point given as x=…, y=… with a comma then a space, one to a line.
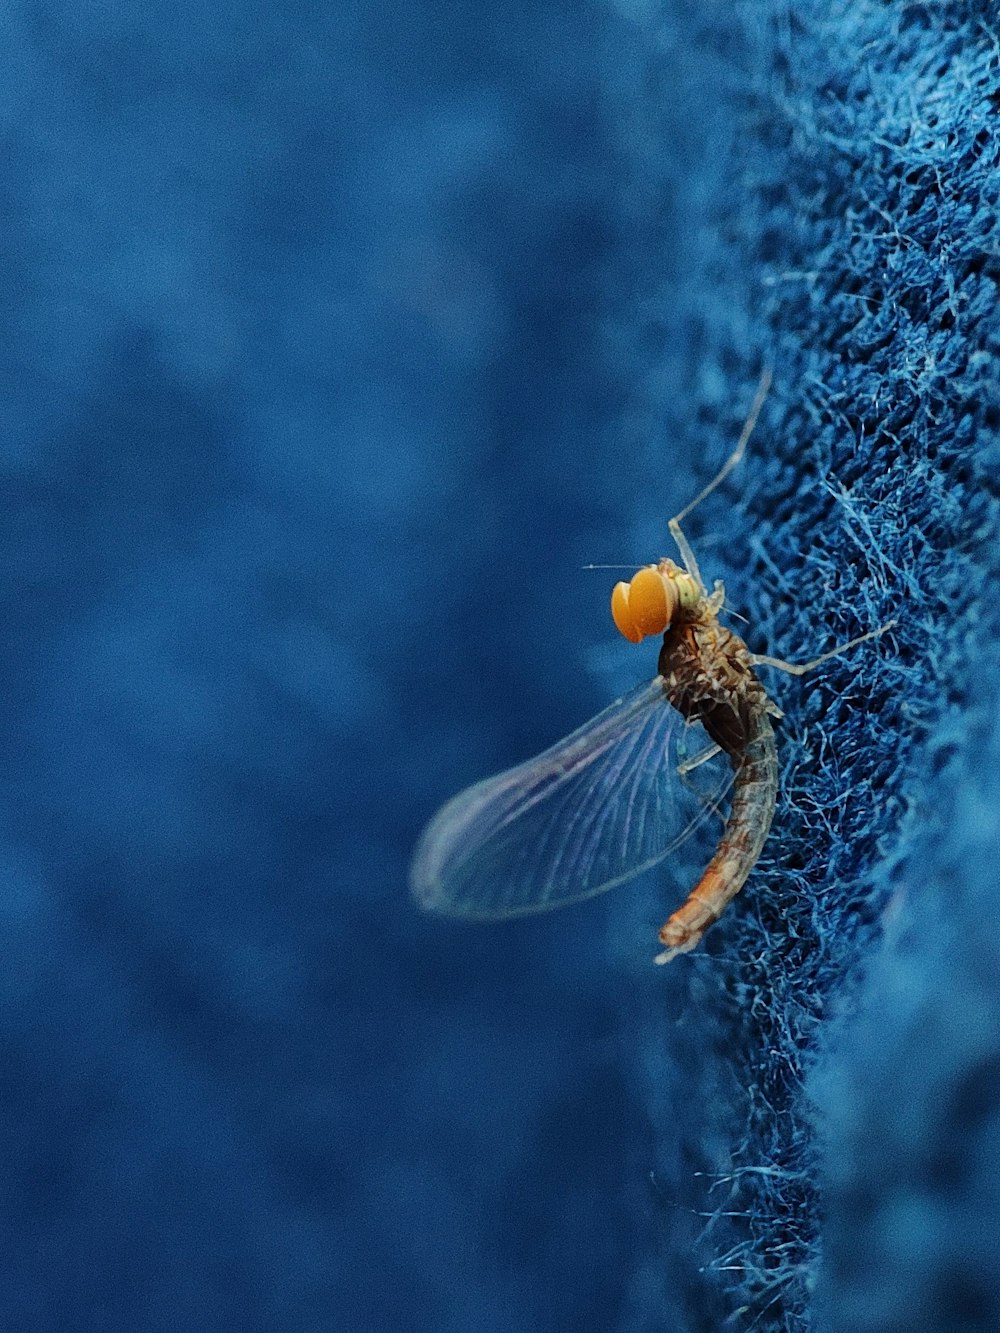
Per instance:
x=647, y=605
x=652, y=601
x=621, y=614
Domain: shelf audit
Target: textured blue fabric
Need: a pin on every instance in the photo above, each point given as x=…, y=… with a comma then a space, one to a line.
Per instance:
x=334, y=346
x=848, y=1120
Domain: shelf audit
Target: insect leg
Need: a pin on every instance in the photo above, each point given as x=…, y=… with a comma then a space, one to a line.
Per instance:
x=683, y=545
x=800, y=668
x=697, y=760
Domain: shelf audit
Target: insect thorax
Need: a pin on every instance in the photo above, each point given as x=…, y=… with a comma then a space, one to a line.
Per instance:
x=709, y=679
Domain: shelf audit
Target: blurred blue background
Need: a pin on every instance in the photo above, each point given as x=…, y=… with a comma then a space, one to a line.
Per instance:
x=335, y=343
x=311, y=413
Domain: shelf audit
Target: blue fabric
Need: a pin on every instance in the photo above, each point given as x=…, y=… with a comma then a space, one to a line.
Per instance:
x=334, y=347
x=848, y=1120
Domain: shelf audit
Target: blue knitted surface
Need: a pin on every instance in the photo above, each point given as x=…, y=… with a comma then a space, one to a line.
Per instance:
x=336, y=343
x=847, y=1124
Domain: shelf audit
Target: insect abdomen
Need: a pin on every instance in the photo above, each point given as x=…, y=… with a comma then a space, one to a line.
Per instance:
x=755, y=791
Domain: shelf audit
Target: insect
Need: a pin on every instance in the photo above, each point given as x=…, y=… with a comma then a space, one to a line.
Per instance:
x=619, y=794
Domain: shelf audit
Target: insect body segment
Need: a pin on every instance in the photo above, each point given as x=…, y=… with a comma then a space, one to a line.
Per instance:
x=709, y=678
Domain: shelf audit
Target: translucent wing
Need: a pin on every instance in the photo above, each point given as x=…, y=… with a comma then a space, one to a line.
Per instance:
x=596, y=809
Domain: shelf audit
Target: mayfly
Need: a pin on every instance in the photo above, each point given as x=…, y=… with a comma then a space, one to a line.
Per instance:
x=619, y=794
